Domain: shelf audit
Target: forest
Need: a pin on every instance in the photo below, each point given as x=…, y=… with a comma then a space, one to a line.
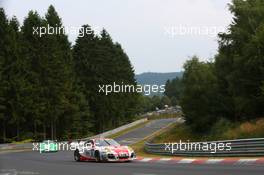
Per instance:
x=49, y=86
x=229, y=88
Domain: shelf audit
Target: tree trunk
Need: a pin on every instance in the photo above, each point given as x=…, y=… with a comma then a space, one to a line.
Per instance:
x=44, y=131
x=55, y=131
x=35, y=129
x=51, y=127
x=18, y=131
x=4, y=131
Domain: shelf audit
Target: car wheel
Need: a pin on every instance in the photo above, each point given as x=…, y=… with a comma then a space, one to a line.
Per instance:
x=97, y=156
x=76, y=155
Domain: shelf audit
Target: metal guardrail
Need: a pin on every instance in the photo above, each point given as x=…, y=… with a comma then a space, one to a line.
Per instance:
x=239, y=147
x=4, y=147
x=16, y=146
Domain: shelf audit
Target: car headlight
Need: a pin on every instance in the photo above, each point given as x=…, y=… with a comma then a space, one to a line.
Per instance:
x=130, y=149
x=107, y=150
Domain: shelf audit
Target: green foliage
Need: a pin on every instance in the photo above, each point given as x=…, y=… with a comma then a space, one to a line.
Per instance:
x=50, y=76
x=49, y=90
x=240, y=63
x=178, y=132
x=12, y=83
x=174, y=90
x=199, y=101
x=105, y=62
x=165, y=101
x=148, y=103
x=218, y=128
x=231, y=88
x=249, y=129
x=223, y=129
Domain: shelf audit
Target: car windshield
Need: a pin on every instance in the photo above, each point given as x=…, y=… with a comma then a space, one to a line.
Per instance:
x=112, y=142
x=106, y=142
x=101, y=142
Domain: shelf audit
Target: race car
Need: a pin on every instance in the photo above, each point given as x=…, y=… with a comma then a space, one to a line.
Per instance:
x=48, y=146
x=103, y=149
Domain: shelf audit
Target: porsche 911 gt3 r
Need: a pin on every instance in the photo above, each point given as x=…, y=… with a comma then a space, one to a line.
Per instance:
x=103, y=149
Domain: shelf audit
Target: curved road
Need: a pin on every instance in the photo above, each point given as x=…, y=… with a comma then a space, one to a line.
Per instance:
x=32, y=162
x=63, y=163
x=140, y=133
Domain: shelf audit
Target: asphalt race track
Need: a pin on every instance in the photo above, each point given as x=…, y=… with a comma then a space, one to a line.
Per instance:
x=32, y=162
x=140, y=133
x=63, y=163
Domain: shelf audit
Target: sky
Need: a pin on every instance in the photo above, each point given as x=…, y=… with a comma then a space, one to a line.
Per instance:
x=157, y=35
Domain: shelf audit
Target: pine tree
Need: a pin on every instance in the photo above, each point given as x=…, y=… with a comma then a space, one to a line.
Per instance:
x=33, y=53
x=99, y=61
x=3, y=84
x=58, y=76
x=13, y=82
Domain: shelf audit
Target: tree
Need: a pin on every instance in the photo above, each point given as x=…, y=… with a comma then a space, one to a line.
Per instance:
x=199, y=100
x=52, y=94
x=58, y=75
x=49, y=90
x=165, y=101
x=3, y=84
x=105, y=62
x=12, y=75
x=174, y=90
x=240, y=63
x=34, y=54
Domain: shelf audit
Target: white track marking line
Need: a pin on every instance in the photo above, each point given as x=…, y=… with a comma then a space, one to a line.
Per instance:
x=186, y=160
x=246, y=161
x=213, y=161
x=143, y=174
x=165, y=159
x=145, y=159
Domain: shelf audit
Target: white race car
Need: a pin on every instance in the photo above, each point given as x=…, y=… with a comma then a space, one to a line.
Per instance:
x=103, y=149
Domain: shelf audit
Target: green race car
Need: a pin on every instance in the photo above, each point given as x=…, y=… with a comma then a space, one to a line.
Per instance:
x=48, y=146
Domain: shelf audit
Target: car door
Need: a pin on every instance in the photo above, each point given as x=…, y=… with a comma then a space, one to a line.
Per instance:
x=88, y=151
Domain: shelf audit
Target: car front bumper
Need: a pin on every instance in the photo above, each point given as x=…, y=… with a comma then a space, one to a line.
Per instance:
x=116, y=158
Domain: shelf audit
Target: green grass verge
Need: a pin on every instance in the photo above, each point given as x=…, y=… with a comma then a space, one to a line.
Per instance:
x=176, y=133
x=139, y=149
x=182, y=132
x=22, y=141
x=221, y=130
x=139, y=146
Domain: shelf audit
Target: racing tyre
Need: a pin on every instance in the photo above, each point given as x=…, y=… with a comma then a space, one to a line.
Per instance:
x=77, y=156
x=97, y=156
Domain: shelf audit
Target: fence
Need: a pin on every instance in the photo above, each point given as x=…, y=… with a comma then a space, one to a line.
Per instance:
x=239, y=147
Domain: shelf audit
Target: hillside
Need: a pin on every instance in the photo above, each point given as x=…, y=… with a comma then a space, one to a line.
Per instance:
x=151, y=78
x=156, y=78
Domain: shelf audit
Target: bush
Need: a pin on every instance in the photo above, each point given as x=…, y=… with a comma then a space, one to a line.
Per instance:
x=223, y=129
x=247, y=130
x=219, y=128
x=178, y=132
